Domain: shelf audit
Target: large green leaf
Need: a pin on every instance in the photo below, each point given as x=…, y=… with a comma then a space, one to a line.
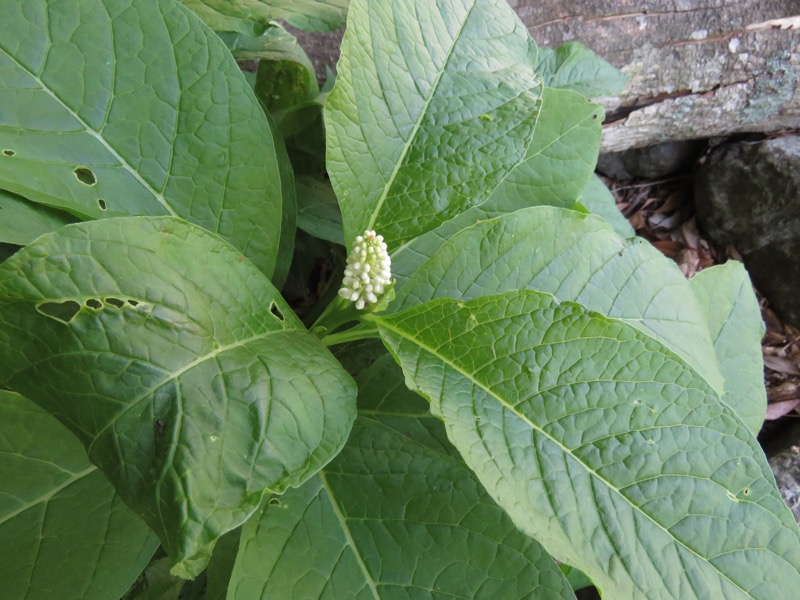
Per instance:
x=22, y=221
x=286, y=76
x=576, y=257
x=64, y=528
x=561, y=157
x=246, y=15
x=603, y=445
x=275, y=43
x=288, y=225
x=134, y=107
x=734, y=318
x=176, y=362
x=598, y=200
x=433, y=104
x=220, y=567
x=317, y=209
x=390, y=518
x=574, y=67
x=156, y=583
x=382, y=389
x=558, y=163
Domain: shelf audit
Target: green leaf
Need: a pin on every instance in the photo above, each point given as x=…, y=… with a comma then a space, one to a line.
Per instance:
x=286, y=76
x=318, y=210
x=599, y=201
x=134, y=107
x=575, y=257
x=561, y=157
x=725, y=294
x=190, y=382
x=222, y=18
x=286, y=84
x=220, y=567
x=390, y=518
x=63, y=526
x=275, y=43
x=22, y=221
x=603, y=445
x=357, y=356
x=245, y=15
x=382, y=389
x=283, y=260
x=384, y=395
x=433, y=104
x=156, y=583
x=574, y=67
x=558, y=163
x=330, y=79
x=577, y=579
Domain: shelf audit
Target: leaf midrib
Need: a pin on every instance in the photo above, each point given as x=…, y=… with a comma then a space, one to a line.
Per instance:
x=46, y=497
x=174, y=375
x=420, y=118
x=348, y=536
x=103, y=142
x=564, y=449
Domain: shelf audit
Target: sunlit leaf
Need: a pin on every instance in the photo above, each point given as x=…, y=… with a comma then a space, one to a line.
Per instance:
x=575, y=257
x=557, y=166
x=190, y=382
x=64, y=528
x=433, y=104
x=134, y=107
x=734, y=318
x=22, y=221
x=247, y=15
x=574, y=67
x=603, y=445
x=391, y=517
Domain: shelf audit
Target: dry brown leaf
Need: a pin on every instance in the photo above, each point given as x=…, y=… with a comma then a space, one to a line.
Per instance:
x=674, y=203
x=689, y=262
x=669, y=248
x=776, y=410
x=733, y=253
x=788, y=390
x=690, y=235
x=637, y=221
x=780, y=364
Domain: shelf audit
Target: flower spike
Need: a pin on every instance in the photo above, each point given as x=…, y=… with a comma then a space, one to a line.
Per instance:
x=368, y=271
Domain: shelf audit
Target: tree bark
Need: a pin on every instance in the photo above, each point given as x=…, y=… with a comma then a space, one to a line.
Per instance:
x=698, y=68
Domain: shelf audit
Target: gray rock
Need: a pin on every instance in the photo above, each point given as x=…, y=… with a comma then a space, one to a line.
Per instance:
x=786, y=468
x=651, y=162
x=748, y=194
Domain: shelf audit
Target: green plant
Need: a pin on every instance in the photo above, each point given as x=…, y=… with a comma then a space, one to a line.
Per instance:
x=535, y=385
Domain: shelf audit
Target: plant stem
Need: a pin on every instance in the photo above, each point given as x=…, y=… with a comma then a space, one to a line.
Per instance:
x=339, y=312
x=360, y=332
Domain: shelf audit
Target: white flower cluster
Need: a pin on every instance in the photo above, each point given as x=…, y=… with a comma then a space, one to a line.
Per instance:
x=368, y=270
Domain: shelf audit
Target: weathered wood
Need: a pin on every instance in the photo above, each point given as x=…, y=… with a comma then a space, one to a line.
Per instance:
x=698, y=68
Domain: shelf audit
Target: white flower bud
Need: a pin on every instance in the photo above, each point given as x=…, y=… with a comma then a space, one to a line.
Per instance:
x=368, y=270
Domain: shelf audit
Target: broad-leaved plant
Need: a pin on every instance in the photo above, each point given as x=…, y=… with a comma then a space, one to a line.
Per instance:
x=485, y=387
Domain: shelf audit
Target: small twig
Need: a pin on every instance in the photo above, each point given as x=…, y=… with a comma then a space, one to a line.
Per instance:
x=649, y=183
